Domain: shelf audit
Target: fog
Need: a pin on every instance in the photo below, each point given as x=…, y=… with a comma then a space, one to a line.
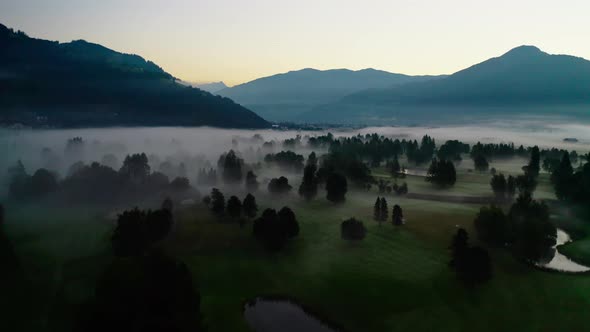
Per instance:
x=200, y=147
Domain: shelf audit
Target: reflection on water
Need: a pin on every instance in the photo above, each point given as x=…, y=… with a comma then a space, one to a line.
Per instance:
x=560, y=262
x=269, y=315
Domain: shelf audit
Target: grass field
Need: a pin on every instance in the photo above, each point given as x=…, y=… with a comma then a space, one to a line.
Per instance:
x=396, y=279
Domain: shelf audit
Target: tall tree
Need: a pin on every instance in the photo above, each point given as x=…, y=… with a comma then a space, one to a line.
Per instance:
x=251, y=182
x=232, y=167
x=234, y=207
x=397, y=216
x=384, y=213
x=336, y=187
x=309, y=185
x=499, y=186
x=250, y=207
x=135, y=168
x=377, y=210
x=217, y=201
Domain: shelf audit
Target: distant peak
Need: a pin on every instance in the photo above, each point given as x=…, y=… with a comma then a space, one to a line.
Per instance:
x=524, y=50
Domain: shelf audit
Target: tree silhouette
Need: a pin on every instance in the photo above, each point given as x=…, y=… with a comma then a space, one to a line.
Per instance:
x=279, y=186
x=499, y=186
x=352, y=230
x=289, y=221
x=480, y=163
x=377, y=210
x=250, y=207
x=384, y=213
x=217, y=201
x=397, y=216
x=336, y=187
x=232, y=167
x=492, y=226
x=309, y=185
x=135, y=168
x=251, y=182
x=234, y=207
x=442, y=173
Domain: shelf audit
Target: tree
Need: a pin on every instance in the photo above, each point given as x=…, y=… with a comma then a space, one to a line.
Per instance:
x=217, y=201
x=534, y=165
x=138, y=230
x=43, y=182
x=336, y=187
x=563, y=177
x=309, y=185
x=384, y=213
x=289, y=221
x=499, y=186
x=442, y=173
x=526, y=183
x=397, y=216
x=533, y=234
x=273, y=230
x=234, y=207
x=510, y=187
x=492, y=227
x=148, y=293
x=232, y=167
x=135, y=168
x=395, y=169
x=207, y=200
x=352, y=230
x=377, y=210
x=250, y=207
x=251, y=182
x=279, y=186
x=472, y=264
x=480, y=163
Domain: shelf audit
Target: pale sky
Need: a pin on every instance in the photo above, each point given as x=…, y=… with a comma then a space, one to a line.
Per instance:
x=239, y=40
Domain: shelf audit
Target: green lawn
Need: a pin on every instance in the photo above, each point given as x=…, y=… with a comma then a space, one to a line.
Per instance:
x=396, y=279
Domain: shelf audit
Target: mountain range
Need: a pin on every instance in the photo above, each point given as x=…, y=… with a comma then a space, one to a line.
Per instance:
x=212, y=87
x=285, y=96
x=80, y=84
x=524, y=80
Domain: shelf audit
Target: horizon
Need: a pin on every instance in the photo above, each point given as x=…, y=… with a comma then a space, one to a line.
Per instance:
x=231, y=42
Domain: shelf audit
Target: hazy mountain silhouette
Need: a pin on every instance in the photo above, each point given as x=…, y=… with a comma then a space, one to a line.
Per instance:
x=283, y=96
x=80, y=84
x=524, y=77
x=212, y=87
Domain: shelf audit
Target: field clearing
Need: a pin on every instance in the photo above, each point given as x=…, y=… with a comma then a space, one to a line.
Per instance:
x=396, y=279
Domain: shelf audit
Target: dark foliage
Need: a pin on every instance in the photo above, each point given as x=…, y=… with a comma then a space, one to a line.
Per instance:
x=352, y=230
x=492, y=226
x=309, y=185
x=279, y=185
x=442, y=173
x=336, y=187
x=250, y=207
x=251, y=182
x=472, y=264
x=286, y=160
x=273, y=230
x=217, y=201
x=480, y=163
x=234, y=207
x=452, y=150
x=147, y=293
x=231, y=165
x=397, y=215
x=138, y=230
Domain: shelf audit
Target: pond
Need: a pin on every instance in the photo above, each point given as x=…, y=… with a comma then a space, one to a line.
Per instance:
x=281, y=315
x=560, y=262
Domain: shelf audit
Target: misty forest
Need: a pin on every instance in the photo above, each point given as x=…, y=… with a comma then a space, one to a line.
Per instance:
x=307, y=201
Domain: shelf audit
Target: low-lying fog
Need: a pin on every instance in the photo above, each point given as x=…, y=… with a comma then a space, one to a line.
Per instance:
x=201, y=147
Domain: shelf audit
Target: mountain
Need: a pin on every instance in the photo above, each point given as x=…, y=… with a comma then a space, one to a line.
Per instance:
x=284, y=96
x=525, y=78
x=80, y=84
x=212, y=87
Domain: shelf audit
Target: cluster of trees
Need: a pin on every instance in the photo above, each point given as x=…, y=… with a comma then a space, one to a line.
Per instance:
x=279, y=185
x=423, y=153
x=286, y=160
x=95, y=183
x=480, y=163
x=502, y=150
x=207, y=177
x=380, y=212
x=386, y=187
x=273, y=229
x=442, y=173
x=234, y=208
x=352, y=230
x=526, y=228
x=471, y=263
x=552, y=158
x=452, y=150
x=143, y=288
x=571, y=185
x=395, y=169
x=138, y=230
x=309, y=185
x=336, y=188
x=231, y=166
x=503, y=188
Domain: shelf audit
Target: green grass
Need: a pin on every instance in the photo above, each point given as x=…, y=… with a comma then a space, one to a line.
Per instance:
x=396, y=279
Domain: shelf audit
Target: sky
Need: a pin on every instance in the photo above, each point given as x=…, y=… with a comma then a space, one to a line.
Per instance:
x=236, y=41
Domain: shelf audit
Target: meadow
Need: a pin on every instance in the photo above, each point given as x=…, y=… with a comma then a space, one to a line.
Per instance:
x=396, y=279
